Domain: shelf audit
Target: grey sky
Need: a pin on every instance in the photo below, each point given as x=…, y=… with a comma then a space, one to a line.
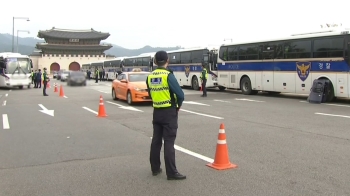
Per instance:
x=136, y=23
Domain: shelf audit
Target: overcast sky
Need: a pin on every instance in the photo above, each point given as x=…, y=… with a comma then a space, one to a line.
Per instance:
x=188, y=23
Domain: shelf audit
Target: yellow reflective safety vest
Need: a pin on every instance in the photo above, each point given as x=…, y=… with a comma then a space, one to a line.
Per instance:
x=159, y=88
x=205, y=74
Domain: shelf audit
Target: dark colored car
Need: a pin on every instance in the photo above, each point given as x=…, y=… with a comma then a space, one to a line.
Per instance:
x=76, y=78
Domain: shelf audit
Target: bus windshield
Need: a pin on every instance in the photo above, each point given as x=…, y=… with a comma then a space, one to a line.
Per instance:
x=18, y=65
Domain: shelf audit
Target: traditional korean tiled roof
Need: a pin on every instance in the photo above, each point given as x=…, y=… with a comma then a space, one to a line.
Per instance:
x=73, y=47
x=73, y=34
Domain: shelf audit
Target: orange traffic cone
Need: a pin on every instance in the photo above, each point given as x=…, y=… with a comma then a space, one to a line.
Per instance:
x=222, y=160
x=101, y=108
x=61, y=91
x=55, y=90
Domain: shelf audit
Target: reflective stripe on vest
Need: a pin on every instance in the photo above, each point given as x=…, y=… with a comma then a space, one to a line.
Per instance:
x=159, y=88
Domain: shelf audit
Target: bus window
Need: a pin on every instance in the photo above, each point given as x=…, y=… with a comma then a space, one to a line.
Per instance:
x=330, y=47
x=223, y=53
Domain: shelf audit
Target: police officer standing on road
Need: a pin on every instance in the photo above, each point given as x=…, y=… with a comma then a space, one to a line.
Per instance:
x=204, y=78
x=167, y=97
x=46, y=79
x=96, y=75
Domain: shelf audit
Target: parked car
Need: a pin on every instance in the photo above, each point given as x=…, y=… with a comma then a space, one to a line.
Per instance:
x=64, y=75
x=55, y=74
x=76, y=78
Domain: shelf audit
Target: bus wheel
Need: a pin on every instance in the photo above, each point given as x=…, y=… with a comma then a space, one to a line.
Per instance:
x=195, y=84
x=20, y=87
x=222, y=88
x=246, y=86
x=330, y=92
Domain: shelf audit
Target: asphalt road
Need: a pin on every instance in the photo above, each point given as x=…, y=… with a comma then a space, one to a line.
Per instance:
x=281, y=144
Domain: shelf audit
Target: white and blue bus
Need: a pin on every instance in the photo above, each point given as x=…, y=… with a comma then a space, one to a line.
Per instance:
x=94, y=65
x=113, y=66
x=142, y=61
x=186, y=65
x=288, y=65
x=15, y=70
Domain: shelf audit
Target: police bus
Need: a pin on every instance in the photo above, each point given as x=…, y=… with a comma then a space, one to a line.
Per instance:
x=112, y=66
x=142, y=61
x=288, y=65
x=186, y=65
x=85, y=67
x=15, y=70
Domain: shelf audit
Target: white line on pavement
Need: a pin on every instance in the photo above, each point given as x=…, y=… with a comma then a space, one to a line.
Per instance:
x=207, y=115
x=7, y=95
x=5, y=122
x=184, y=150
x=103, y=91
x=65, y=97
x=221, y=101
x=90, y=110
x=331, y=104
x=334, y=115
x=4, y=103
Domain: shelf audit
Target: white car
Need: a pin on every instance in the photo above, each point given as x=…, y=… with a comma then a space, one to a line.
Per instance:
x=64, y=75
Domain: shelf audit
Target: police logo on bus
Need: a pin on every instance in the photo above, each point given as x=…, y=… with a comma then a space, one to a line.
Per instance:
x=303, y=70
x=187, y=71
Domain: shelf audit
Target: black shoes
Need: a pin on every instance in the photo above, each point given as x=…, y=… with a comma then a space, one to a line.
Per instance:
x=177, y=176
x=46, y=95
x=157, y=172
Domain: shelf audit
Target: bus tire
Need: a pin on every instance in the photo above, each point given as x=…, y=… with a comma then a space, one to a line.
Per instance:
x=20, y=87
x=222, y=88
x=330, y=92
x=246, y=86
x=195, y=84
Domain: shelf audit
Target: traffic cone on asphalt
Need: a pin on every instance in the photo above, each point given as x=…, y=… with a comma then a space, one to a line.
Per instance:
x=61, y=91
x=222, y=160
x=55, y=90
x=101, y=108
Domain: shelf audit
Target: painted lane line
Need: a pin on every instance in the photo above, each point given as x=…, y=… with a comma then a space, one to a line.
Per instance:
x=221, y=101
x=330, y=104
x=125, y=107
x=186, y=151
x=334, y=115
x=90, y=110
x=5, y=122
x=4, y=103
x=102, y=91
x=65, y=97
x=195, y=103
x=6, y=95
x=249, y=100
x=207, y=115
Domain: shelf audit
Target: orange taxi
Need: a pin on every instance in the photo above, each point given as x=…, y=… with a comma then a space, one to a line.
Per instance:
x=131, y=86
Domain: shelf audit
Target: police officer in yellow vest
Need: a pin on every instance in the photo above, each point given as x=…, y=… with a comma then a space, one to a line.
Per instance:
x=97, y=73
x=167, y=97
x=46, y=79
x=204, y=78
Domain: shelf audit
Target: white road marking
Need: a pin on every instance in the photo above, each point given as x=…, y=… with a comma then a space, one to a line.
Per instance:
x=249, y=100
x=221, y=101
x=65, y=97
x=334, y=115
x=3, y=104
x=45, y=110
x=195, y=103
x=103, y=91
x=184, y=150
x=217, y=117
x=338, y=105
x=6, y=95
x=90, y=110
x=125, y=107
x=5, y=122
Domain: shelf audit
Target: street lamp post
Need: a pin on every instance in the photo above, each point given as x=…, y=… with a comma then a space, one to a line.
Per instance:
x=13, y=30
x=17, y=35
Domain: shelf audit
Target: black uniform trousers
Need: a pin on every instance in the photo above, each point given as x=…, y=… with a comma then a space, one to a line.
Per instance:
x=38, y=83
x=204, y=88
x=96, y=78
x=164, y=126
x=44, y=89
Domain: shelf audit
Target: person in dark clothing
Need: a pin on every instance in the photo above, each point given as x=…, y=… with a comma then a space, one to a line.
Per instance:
x=34, y=78
x=204, y=78
x=167, y=97
x=97, y=73
x=38, y=79
x=45, y=81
